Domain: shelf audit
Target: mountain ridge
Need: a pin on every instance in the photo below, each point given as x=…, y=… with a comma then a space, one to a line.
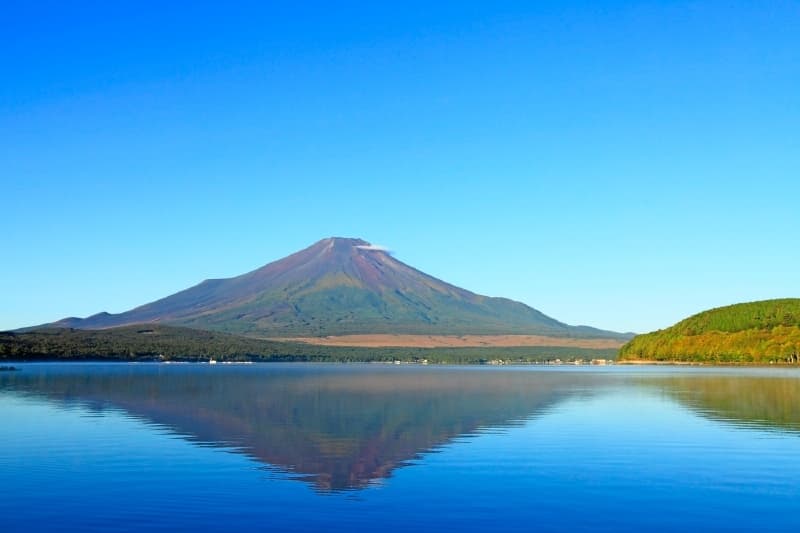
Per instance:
x=337, y=286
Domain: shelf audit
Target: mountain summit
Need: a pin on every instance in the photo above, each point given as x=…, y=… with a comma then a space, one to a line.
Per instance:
x=338, y=286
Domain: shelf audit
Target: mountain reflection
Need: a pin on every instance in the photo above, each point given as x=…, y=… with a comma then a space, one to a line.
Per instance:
x=767, y=402
x=339, y=427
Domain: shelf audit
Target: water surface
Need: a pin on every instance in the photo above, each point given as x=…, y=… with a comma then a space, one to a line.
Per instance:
x=363, y=447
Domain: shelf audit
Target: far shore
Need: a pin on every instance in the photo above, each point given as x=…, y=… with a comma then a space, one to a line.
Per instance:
x=643, y=362
x=422, y=362
x=680, y=363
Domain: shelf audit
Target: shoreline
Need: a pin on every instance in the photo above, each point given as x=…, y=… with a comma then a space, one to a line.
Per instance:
x=421, y=362
x=636, y=362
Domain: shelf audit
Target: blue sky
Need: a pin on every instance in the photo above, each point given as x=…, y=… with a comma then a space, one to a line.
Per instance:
x=618, y=164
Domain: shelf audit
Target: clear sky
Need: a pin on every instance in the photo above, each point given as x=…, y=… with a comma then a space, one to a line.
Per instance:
x=617, y=164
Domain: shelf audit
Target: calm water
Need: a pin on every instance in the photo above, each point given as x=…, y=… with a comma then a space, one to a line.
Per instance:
x=374, y=447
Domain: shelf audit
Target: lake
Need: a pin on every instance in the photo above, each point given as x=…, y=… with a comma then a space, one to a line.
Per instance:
x=304, y=447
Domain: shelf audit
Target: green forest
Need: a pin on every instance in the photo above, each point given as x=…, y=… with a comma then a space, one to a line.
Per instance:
x=169, y=343
x=755, y=332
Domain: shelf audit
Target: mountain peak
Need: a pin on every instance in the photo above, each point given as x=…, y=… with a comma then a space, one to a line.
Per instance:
x=347, y=243
x=344, y=241
x=339, y=285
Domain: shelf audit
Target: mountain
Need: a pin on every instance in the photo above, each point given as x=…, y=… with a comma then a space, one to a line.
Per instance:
x=755, y=332
x=337, y=286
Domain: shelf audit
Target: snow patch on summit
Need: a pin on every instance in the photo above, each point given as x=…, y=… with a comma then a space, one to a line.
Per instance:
x=373, y=247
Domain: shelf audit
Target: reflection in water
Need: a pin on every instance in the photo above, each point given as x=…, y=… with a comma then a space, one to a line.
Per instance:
x=343, y=426
x=769, y=402
x=98, y=447
x=337, y=426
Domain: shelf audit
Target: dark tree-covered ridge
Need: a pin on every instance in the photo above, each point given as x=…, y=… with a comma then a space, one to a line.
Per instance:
x=159, y=342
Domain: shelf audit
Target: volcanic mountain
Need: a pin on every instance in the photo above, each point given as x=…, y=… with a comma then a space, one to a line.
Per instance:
x=338, y=286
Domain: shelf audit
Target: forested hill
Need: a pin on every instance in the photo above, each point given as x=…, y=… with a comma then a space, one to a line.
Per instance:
x=156, y=342
x=755, y=332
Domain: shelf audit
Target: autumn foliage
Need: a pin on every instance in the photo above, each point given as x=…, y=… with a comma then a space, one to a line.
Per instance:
x=755, y=332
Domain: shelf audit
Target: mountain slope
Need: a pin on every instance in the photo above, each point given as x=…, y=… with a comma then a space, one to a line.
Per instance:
x=755, y=332
x=337, y=286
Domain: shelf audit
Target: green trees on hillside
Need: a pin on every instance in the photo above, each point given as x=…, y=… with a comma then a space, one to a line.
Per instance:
x=756, y=332
x=753, y=315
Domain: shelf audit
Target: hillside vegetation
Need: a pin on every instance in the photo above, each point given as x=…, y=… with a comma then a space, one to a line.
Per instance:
x=162, y=343
x=756, y=332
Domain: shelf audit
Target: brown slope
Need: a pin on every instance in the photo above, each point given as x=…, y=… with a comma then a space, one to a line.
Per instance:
x=387, y=340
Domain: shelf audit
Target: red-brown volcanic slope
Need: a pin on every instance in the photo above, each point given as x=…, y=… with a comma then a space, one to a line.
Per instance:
x=339, y=286
x=452, y=341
